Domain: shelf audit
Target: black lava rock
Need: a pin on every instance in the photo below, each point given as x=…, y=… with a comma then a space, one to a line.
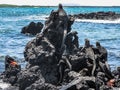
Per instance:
x=32, y=28
x=98, y=15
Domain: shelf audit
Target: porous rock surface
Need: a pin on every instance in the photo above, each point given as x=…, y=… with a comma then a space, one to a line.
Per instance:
x=98, y=15
x=33, y=28
x=56, y=62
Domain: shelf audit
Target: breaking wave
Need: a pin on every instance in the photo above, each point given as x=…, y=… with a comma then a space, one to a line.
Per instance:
x=99, y=21
x=31, y=17
x=4, y=85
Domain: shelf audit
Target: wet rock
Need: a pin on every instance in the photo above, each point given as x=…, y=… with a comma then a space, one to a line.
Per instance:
x=12, y=88
x=80, y=83
x=41, y=86
x=39, y=50
x=78, y=62
x=116, y=73
x=32, y=28
x=73, y=74
x=44, y=49
x=29, y=76
x=12, y=68
x=98, y=15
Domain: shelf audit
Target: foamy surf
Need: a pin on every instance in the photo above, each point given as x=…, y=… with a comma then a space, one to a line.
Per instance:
x=31, y=17
x=4, y=85
x=99, y=21
x=36, y=17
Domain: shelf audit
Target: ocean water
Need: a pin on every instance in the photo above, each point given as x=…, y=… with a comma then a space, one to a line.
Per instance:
x=12, y=19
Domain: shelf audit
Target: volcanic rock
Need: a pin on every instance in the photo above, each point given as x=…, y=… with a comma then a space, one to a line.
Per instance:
x=98, y=15
x=51, y=65
x=32, y=28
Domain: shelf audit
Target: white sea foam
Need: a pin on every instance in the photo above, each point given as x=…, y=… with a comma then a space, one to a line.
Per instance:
x=98, y=21
x=4, y=85
x=36, y=17
x=115, y=52
x=43, y=17
x=31, y=17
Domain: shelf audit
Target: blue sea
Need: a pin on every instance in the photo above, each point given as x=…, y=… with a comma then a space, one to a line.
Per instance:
x=12, y=19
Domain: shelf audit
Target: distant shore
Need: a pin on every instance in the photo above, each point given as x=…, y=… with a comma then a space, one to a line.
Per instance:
x=11, y=5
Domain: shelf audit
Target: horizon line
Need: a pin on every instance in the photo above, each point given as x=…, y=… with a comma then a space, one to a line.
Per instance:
x=8, y=5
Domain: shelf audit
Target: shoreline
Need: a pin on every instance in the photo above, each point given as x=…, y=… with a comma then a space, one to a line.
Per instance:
x=12, y=5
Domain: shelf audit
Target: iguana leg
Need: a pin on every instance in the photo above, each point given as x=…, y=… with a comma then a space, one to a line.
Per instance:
x=94, y=67
x=61, y=72
x=68, y=64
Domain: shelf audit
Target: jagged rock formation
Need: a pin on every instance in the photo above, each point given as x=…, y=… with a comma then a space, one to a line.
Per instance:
x=33, y=28
x=98, y=16
x=56, y=62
